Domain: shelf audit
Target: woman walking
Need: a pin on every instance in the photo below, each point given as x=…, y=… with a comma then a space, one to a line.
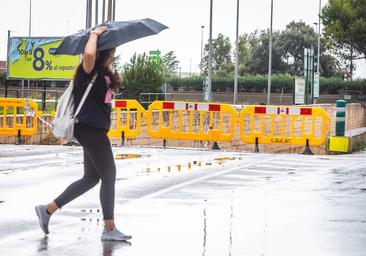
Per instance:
x=91, y=127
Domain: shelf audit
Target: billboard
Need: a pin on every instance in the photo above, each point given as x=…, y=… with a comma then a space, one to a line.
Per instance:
x=32, y=58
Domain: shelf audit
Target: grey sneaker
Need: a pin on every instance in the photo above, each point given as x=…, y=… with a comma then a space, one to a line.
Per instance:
x=43, y=217
x=114, y=235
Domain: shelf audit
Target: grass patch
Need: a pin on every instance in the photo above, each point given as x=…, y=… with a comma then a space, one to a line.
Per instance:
x=359, y=145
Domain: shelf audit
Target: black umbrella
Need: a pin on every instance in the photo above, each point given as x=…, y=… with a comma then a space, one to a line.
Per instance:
x=119, y=32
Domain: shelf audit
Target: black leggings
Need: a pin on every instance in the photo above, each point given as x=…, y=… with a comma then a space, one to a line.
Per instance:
x=98, y=164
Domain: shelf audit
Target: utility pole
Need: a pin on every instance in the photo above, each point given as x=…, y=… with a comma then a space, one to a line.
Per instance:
x=270, y=58
x=236, y=54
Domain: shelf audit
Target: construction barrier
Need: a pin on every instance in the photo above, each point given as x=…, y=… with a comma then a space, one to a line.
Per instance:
x=191, y=121
x=18, y=117
x=284, y=125
x=128, y=117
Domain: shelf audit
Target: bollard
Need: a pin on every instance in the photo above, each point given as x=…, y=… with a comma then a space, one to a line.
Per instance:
x=164, y=143
x=340, y=117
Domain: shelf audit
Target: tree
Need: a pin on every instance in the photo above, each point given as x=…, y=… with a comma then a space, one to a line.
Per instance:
x=221, y=54
x=345, y=22
x=142, y=76
x=245, y=56
x=292, y=41
x=345, y=26
x=170, y=64
x=260, y=54
x=329, y=66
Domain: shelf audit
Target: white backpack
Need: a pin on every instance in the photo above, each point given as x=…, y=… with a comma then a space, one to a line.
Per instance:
x=63, y=123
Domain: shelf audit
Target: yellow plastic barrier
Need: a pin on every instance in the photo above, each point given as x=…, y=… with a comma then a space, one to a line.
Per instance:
x=191, y=121
x=299, y=125
x=18, y=117
x=128, y=119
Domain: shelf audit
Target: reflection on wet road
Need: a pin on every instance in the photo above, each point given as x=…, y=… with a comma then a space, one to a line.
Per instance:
x=185, y=202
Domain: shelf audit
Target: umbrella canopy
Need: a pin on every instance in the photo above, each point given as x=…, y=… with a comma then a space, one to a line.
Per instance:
x=119, y=32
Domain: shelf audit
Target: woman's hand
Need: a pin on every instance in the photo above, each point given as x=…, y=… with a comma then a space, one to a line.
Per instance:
x=99, y=30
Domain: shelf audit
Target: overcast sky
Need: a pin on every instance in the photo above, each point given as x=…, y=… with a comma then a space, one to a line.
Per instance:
x=184, y=19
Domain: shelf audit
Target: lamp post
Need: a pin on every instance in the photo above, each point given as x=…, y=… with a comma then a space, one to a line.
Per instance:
x=210, y=58
x=202, y=27
x=236, y=54
x=30, y=18
x=318, y=65
x=318, y=56
x=270, y=58
x=29, y=34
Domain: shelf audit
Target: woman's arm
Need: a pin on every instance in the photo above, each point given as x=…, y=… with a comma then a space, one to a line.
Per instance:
x=90, y=51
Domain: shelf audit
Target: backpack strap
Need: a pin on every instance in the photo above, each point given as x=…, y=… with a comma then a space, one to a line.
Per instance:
x=85, y=94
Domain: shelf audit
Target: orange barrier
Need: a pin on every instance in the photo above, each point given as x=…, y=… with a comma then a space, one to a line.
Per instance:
x=129, y=114
x=18, y=117
x=284, y=125
x=191, y=121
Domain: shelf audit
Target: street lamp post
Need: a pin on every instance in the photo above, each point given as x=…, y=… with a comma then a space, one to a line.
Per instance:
x=202, y=27
x=270, y=58
x=318, y=64
x=318, y=55
x=29, y=34
x=30, y=18
x=210, y=58
x=236, y=54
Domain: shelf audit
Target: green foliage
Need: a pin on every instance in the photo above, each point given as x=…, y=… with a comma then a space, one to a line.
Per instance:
x=345, y=22
x=170, y=64
x=142, y=76
x=221, y=54
x=291, y=44
x=359, y=145
x=258, y=83
x=287, y=52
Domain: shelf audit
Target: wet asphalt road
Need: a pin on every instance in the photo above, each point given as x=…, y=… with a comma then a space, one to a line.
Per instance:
x=226, y=203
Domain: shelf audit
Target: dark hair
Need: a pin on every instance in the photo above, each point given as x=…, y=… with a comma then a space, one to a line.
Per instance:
x=102, y=57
